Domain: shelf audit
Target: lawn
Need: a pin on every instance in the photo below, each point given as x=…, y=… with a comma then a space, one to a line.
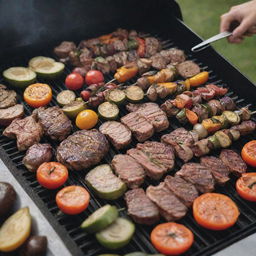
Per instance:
x=204, y=16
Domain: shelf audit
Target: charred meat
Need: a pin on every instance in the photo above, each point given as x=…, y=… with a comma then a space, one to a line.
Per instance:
x=7, y=115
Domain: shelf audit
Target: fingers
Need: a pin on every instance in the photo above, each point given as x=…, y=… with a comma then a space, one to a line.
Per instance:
x=235, y=40
x=243, y=27
x=226, y=20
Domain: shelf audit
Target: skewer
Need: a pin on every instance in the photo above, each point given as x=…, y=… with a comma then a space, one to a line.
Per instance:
x=111, y=81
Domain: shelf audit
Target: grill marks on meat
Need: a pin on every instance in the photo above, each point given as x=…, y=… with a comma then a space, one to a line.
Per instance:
x=140, y=207
x=170, y=207
x=233, y=161
x=8, y=98
x=128, y=170
x=7, y=115
x=219, y=171
x=198, y=175
x=82, y=149
x=27, y=132
x=118, y=134
x=36, y=155
x=55, y=123
x=188, y=69
x=184, y=190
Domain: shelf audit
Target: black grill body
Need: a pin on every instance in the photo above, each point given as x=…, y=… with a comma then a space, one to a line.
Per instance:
x=55, y=21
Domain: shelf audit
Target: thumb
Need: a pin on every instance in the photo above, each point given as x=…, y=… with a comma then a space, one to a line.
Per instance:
x=243, y=27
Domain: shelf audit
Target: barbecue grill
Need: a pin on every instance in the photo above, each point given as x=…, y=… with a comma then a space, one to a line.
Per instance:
x=34, y=27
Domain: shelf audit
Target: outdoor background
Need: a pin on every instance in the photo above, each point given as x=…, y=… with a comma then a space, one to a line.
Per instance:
x=204, y=17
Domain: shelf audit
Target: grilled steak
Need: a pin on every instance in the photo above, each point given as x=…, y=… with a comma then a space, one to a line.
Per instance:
x=170, y=207
x=130, y=107
x=140, y=207
x=7, y=115
x=173, y=55
x=199, y=175
x=118, y=134
x=152, y=46
x=246, y=127
x=8, y=98
x=143, y=83
x=36, y=155
x=82, y=149
x=158, y=62
x=128, y=170
x=155, y=157
x=184, y=190
x=139, y=126
x=55, y=123
x=188, y=69
x=63, y=50
x=219, y=171
x=233, y=161
x=27, y=132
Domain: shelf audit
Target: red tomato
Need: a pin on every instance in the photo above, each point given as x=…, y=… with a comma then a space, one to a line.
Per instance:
x=246, y=186
x=74, y=81
x=249, y=153
x=85, y=95
x=94, y=77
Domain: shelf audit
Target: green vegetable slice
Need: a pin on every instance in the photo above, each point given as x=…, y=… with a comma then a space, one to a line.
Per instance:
x=116, y=96
x=222, y=119
x=215, y=142
x=117, y=235
x=232, y=117
x=66, y=97
x=134, y=93
x=100, y=219
x=74, y=108
x=136, y=254
x=19, y=76
x=108, y=111
x=223, y=139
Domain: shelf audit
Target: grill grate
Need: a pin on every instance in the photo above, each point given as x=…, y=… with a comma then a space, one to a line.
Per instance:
x=206, y=242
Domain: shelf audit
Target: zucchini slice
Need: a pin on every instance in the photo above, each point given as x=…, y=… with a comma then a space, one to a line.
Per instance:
x=117, y=235
x=134, y=93
x=100, y=219
x=232, y=117
x=136, y=254
x=214, y=141
x=223, y=139
x=66, y=97
x=74, y=108
x=19, y=76
x=116, y=96
x=108, y=111
x=222, y=119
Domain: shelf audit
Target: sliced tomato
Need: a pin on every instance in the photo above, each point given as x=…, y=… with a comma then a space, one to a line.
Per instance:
x=52, y=175
x=249, y=153
x=171, y=238
x=215, y=211
x=38, y=95
x=73, y=199
x=246, y=186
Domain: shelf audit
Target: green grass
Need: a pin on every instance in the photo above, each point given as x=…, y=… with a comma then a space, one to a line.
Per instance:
x=204, y=17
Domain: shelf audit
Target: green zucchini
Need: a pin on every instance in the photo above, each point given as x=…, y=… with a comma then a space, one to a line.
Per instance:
x=223, y=139
x=136, y=254
x=19, y=76
x=74, y=108
x=116, y=96
x=104, y=183
x=181, y=116
x=134, y=94
x=65, y=97
x=222, y=119
x=232, y=117
x=100, y=219
x=214, y=141
x=117, y=235
x=235, y=134
x=108, y=111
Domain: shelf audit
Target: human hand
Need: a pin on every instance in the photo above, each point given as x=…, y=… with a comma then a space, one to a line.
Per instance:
x=245, y=15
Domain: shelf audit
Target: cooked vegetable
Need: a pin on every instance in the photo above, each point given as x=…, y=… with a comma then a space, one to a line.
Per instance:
x=86, y=119
x=211, y=124
x=222, y=119
x=214, y=141
x=183, y=101
x=244, y=113
x=108, y=111
x=34, y=246
x=74, y=108
x=142, y=47
x=215, y=211
x=126, y=72
x=200, y=130
x=15, y=230
x=116, y=96
x=181, y=116
x=191, y=116
x=73, y=199
x=249, y=153
x=85, y=94
x=117, y=235
x=223, y=139
x=171, y=87
x=65, y=97
x=232, y=117
x=74, y=81
x=19, y=76
x=100, y=219
x=94, y=77
x=38, y=95
x=132, y=44
x=171, y=238
x=52, y=175
x=198, y=79
x=235, y=134
x=7, y=197
x=136, y=254
x=246, y=186
x=105, y=184
x=134, y=93
x=46, y=67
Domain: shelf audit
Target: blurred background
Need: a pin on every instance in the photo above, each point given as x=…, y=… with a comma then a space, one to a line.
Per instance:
x=204, y=18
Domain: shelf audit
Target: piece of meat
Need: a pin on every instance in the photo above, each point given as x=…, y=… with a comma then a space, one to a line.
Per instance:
x=219, y=171
x=216, y=107
x=130, y=107
x=121, y=58
x=128, y=170
x=152, y=46
x=133, y=34
x=112, y=63
x=141, y=209
x=27, y=131
x=36, y=155
x=184, y=152
x=139, y=126
x=80, y=70
x=101, y=64
x=8, y=98
x=227, y=103
x=184, y=190
x=201, y=112
x=55, y=123
x=199, y=175
x=144, y=65
x=219, y=91
x=201, y=147
x=205, y=93
x=120, y=33
x=233, y=161
x=63, y=50
x=158, y=61
x=118, y=134
x=170, y=207
x=143, y=83
x=152, y=93
x=7, y=115
x=155, y=157
x=169, y=108
x=246, y=127
x=120, y=45
x=133, y=56
x=173, y=55
x=74, y=58
x=82, y=149
x=188, y=69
